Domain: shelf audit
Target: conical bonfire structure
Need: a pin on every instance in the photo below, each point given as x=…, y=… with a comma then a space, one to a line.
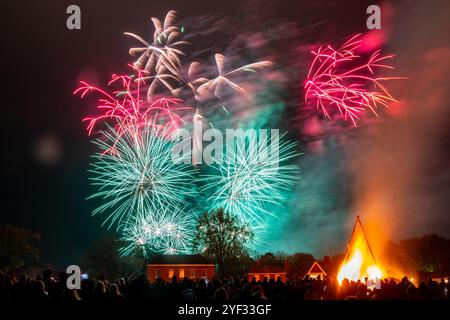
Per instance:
x=359, y=262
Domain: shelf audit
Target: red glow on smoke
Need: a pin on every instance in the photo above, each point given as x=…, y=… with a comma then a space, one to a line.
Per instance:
x=372, y=40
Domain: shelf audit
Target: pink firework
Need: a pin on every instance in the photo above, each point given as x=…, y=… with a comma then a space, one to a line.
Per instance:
x=125, y=108
x=342, y=82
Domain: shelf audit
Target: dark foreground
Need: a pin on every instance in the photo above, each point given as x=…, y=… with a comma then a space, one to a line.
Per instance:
x=46, y=289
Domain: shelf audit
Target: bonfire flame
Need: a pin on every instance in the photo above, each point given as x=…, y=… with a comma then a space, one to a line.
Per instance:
x=359, y=262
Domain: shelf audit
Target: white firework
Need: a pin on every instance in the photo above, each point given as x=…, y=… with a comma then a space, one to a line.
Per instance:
x=219, y=83
x=160, y=59
x=168, y=231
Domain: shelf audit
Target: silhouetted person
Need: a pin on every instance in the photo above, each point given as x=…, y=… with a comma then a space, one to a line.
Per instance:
x=99, y=295
x=221, y=295
x=70, y=296
x=116, y=296
x=202, y=292
x=38, y=294
x=188, y=296
x=311, y=294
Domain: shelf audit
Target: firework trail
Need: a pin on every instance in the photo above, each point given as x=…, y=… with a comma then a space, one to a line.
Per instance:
x=163, y=65
x=168, y=231
x=160, y=62
x=222, y=80
x=124, y=108
x=340, y=82
x=135, y=174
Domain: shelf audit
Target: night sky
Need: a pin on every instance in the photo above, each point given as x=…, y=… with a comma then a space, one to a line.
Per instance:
x=46, y=150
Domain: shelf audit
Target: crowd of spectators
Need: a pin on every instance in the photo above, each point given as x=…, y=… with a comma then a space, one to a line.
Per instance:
x=47, y=289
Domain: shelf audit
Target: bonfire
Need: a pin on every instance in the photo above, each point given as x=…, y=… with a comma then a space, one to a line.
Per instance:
x=359, y=262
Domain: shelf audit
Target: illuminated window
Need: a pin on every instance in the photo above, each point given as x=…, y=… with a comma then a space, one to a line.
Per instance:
x=204, y=273
x=157, y=273
x=191, y=273
x=181, y=273
x=170, y=273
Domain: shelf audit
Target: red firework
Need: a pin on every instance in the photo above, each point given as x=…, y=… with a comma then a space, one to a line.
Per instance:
x=125, y=108
x=342, y=82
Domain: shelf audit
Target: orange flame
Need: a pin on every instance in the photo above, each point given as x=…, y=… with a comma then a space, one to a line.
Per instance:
x=359, y=263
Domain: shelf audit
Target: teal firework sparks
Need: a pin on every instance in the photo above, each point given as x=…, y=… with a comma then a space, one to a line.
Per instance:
x=168, y=231
x=253, y=181
x=136, y=175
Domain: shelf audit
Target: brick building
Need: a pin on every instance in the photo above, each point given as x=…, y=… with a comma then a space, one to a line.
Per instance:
x=182, y=266
x=270, y=272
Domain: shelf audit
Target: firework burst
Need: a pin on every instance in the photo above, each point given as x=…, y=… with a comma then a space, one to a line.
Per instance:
x=249, y=184
x=168, y=231
x=219, y=83
x=341, y=82
x=160, y=60
x=124, y=107
x=141, y=188
x=159, y=64
x=135, y=173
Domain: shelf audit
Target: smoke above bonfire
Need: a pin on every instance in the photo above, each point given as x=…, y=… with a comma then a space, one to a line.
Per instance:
x=400, y=164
